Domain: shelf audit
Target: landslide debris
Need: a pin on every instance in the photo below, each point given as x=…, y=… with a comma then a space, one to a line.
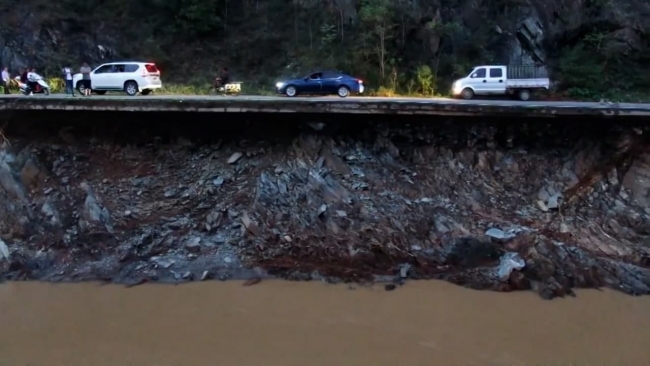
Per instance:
x=500, y=205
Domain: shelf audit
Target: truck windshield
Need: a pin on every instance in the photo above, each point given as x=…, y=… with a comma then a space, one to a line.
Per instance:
x=477, y=73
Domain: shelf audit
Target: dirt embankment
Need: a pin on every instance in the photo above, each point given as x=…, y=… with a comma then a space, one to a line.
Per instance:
x=502, y=205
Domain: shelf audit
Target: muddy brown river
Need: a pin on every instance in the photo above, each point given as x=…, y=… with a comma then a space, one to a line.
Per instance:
x=287, y=323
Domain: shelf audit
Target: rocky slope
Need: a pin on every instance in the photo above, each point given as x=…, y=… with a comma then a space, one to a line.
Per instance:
x=502, y=205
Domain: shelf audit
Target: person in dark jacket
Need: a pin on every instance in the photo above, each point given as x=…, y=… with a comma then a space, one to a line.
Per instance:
x=224, y=77
x=23, y=76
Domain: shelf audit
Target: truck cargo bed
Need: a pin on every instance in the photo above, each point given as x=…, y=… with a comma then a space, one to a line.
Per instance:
x=528, y=83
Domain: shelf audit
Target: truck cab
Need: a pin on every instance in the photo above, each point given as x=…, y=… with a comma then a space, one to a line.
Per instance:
x=494, y=80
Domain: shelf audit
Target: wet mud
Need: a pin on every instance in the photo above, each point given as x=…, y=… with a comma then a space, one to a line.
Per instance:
x=298, y=323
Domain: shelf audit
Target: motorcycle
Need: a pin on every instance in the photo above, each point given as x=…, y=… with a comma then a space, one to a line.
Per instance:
x=231, y=88
x=40, y=87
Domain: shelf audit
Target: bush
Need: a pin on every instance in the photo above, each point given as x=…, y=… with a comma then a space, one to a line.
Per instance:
x=57, y=85
x=580, y=68
x=425, y=80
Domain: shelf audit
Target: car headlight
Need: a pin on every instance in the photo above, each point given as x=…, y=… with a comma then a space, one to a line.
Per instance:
x=279, y=85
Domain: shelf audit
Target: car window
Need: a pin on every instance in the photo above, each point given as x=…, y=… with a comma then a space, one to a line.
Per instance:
x=478, y=73
x=131, y=67
x=332, y=75
x=496, y=73
x=316, y=76
x=118, y=68
x=103, y=69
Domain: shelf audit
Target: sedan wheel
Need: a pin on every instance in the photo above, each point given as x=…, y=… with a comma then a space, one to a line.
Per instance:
x=291, y=91
x=344, y=92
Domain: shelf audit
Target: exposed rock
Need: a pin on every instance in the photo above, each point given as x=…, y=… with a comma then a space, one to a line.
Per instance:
x=554, y=201
x=510, y=262
x=12, y=186
x=31, y=174
x=234, y=158
x=4, y=251
x=93, y=216
x=637, y=180
x=499, y=234
x=193, y=245
x=451, y=202
x=51, y=213
x=250, y=225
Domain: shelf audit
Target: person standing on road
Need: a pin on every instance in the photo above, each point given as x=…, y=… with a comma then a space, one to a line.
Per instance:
x=85, y=72
x=5, y=79
x=67, y=75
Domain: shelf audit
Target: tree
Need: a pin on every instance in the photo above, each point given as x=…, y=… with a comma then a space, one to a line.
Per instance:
x=441, y=29
x=199, y=16
x=377, y=19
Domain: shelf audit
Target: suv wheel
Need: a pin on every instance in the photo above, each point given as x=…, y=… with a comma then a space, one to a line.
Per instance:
x=131, y=88
x=80, y=87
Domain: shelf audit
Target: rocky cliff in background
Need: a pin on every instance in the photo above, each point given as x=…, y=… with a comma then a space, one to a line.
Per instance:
x=47, y=36
x=502, y=206
x=625, y=24
x=504, y=31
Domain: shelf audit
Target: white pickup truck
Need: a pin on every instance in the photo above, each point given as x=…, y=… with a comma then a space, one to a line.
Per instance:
x=519, y=81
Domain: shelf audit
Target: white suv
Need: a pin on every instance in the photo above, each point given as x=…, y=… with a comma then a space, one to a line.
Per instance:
x=131, y=77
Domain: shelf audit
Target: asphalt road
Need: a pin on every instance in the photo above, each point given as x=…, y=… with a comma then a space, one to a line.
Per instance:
x=445, y=101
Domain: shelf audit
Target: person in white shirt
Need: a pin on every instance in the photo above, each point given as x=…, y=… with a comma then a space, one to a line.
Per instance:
x=5, y=80
x=67, y=75
x=32, y=80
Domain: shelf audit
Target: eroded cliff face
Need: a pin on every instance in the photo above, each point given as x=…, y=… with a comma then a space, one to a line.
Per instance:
x=495, y=205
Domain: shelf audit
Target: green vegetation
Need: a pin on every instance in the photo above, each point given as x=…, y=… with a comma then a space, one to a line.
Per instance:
x=57, y=86
x=594, y=69
x=395, y=46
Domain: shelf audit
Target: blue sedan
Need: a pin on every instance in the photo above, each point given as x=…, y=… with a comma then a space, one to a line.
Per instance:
x=325, y=82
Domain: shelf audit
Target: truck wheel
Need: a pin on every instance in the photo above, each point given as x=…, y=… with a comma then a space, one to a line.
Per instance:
x=524, y=95
x=467, y=93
